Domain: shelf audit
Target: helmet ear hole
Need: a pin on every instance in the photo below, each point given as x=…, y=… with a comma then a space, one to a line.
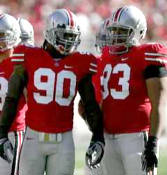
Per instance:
x=141, y=34
x=130, y=31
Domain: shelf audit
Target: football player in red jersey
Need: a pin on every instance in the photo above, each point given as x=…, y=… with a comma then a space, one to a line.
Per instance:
x=52, y=76
x=134, y=90
x=9, y=38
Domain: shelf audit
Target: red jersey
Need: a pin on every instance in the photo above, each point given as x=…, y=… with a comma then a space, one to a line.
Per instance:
x=6, y=69
x=52, y=87
x=126, y=106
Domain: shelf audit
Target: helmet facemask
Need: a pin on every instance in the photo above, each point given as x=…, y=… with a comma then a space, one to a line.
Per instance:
x=8, y=40
x=102, y=38
x=119, y=37
x=9, y=32
x=101, y=41
x=127, y=26
x=64, y=39
x=62, y=31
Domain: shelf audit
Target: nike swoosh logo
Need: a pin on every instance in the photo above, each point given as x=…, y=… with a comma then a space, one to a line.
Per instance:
x=123, y=59
x=29, y=138
x=67, y=67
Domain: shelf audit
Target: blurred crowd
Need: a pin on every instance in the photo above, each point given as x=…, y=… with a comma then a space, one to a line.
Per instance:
x=90, y=13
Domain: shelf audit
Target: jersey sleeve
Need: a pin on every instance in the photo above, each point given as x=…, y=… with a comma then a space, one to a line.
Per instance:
x=18, y=56
x=156, y=54
x=87, y=64
x=156, y=61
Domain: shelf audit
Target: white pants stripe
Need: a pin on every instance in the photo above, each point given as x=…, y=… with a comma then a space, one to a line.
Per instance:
x=16, y=138
x=19, y=136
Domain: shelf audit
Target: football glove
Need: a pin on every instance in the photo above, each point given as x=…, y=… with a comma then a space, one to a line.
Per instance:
x=94, y=154
x=149, y=158
x=6, y=150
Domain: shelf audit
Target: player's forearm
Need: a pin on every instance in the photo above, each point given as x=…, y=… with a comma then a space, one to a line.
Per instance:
x=7, y=116
x=94, y=120
x=92, y=112
x=155, y=125
x=157, y=122
x=159, y=109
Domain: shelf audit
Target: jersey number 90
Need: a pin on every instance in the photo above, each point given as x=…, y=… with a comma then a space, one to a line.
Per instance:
x=54, y=90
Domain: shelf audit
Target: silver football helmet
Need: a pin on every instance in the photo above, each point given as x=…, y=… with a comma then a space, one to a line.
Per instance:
x=62, y=31
x=27, y=32
x=9, y=32
x=101, y=37
x=126, y=28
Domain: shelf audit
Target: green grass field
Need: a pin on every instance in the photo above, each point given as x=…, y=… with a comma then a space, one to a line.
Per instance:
x=162, y=170
x=80, y=154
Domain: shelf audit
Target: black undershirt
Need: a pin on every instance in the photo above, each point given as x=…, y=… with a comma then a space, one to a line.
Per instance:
x=155, y=71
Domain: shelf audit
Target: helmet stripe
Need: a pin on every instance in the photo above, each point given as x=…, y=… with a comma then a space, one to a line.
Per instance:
x=67, y=16
x=120, y=13
x=70, y=17
x=117, y=14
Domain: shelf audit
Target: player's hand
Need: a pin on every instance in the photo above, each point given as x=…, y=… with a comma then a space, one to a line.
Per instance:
x=6, y=150
x=94, y=154
x=149, y=158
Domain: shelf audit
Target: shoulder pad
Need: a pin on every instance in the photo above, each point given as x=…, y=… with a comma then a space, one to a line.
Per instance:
x=156, y=47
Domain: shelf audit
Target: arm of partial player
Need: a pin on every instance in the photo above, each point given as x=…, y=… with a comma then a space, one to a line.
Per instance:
x=16, y=85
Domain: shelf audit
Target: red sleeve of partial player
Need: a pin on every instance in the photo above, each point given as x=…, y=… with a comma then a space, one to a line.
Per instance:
x=156, y=54
x=87, y=64
x=19, y=55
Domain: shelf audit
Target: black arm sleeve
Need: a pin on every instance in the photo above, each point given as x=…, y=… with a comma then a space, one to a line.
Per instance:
x=15, y=89
x=155, y=71
x=93, y=114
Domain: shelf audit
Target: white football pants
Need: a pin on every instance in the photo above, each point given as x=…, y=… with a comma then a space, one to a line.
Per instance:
x=50, y=153
x=122, y=155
